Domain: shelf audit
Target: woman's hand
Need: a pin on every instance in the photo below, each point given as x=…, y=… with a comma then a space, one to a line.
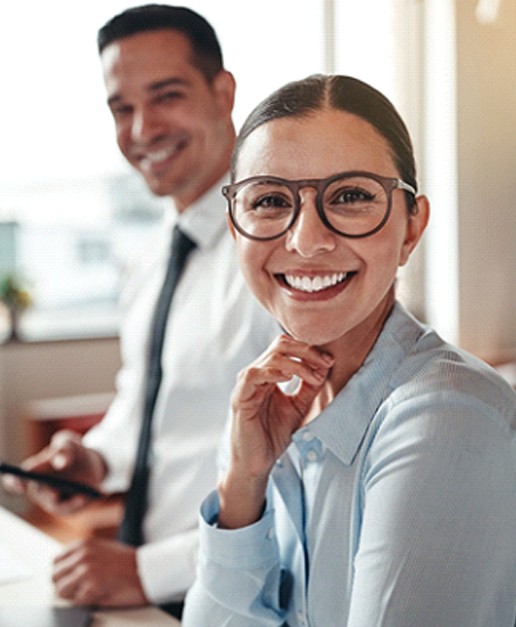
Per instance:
x=264, y=419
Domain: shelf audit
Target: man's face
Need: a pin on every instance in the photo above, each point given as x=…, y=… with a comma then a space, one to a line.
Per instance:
x=172, y=125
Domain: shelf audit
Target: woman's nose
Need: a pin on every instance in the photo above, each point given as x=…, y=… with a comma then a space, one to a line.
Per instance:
x=308, y=236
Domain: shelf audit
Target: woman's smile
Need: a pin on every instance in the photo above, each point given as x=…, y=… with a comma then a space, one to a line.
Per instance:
x=314, y=286
x=322, y=286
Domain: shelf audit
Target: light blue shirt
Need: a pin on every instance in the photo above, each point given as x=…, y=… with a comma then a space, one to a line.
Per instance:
x=395, y=507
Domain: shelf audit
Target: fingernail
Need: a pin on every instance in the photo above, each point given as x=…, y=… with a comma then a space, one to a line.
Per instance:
x=329, y=359
x=59, y=461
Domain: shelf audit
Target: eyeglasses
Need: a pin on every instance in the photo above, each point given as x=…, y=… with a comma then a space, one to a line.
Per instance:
x=351, y=204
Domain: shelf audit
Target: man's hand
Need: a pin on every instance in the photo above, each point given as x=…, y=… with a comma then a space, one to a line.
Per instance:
x=99, y=572
x=65, y=457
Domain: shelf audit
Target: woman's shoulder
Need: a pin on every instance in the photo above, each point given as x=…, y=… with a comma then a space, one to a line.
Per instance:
x=438, y=374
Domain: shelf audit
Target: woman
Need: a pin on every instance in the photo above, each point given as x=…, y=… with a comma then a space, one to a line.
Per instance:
x=370, y=478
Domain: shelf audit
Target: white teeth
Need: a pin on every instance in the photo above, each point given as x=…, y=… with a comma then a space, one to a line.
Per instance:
x=160, y=155
x=315, y=284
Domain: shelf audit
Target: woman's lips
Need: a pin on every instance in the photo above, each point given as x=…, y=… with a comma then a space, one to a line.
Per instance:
x=315, y=287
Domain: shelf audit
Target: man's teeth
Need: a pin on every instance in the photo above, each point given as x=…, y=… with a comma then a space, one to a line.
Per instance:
x=160, y=155
x=315, y=284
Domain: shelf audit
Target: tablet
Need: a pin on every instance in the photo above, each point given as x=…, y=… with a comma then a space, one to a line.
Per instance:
x=65, y=486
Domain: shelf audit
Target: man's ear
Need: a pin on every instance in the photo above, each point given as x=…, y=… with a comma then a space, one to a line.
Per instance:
x=416, y=225
x=230, y=225
x=224, y=87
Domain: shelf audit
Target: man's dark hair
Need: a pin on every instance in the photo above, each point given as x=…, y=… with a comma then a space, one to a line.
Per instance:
x=206, y=51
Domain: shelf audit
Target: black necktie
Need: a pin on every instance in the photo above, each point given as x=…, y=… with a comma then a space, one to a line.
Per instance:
x=130, y=530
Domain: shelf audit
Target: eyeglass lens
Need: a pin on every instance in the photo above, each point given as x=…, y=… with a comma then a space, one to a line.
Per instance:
x=353, y=205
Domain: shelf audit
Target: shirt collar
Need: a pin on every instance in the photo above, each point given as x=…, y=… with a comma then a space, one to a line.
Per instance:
x=204, y=220
x=343, y=423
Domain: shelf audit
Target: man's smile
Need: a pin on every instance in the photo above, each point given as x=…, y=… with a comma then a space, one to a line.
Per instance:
x=152, y=158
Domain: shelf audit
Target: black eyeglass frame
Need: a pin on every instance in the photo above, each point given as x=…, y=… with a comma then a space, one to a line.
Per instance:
x=389, y=184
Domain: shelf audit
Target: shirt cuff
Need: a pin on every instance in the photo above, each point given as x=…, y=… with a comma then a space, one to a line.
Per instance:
x=249, y=547
x=167, y=568
x=118, y=476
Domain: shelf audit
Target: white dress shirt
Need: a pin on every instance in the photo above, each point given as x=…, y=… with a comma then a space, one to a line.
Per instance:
x=215, y=328
x=395, y=507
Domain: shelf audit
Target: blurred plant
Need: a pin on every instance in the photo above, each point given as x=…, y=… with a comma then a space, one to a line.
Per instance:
x=13, y=294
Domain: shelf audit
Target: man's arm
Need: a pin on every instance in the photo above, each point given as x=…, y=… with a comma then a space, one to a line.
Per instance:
x=100, y=572
x=108, y=573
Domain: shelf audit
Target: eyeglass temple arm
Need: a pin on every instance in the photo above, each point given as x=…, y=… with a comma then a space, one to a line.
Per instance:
x=405, y=186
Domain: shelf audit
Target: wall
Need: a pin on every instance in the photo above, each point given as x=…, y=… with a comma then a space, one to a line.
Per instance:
x=484, y=88
x=486, y=161
x=469, y=172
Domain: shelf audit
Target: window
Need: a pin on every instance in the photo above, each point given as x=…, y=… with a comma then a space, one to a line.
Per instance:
x=72, y=213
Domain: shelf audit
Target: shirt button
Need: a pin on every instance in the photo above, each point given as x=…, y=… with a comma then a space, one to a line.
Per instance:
x=301, y=617
x=307, y=436
x=311, y=456
x=270, y=533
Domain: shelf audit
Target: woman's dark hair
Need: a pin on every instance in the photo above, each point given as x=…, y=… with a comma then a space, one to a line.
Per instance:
x=305, y=97
x=207, y=54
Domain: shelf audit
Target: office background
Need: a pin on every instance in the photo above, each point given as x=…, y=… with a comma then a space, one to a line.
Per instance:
x=65, y=193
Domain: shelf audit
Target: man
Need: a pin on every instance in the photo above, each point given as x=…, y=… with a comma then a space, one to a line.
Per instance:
x=171, y=101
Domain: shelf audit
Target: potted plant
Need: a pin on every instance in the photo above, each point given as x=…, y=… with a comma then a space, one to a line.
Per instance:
x=16, y=299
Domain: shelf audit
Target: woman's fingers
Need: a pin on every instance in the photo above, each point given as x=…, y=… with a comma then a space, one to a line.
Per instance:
x=286, y=358
x=264, y=418
x=296, y=351
x=264, y=415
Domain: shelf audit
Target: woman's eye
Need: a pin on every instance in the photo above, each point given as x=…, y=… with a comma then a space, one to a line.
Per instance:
x=270, y=201
x=352, y=195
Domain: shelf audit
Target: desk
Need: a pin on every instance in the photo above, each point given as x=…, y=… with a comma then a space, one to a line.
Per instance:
x=35, y=550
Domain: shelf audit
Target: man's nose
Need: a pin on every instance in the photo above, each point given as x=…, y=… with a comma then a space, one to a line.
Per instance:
x=145, y=126
x=308, y=236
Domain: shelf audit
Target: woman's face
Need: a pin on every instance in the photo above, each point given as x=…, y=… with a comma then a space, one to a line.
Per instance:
x=361, y=272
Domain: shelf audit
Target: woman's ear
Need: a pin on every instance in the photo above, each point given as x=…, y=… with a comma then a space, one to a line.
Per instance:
x=416, y=225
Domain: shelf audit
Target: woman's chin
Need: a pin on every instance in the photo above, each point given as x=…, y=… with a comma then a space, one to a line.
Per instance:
x=309, y=334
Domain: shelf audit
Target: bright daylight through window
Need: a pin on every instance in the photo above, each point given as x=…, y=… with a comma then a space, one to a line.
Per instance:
x=73, y=215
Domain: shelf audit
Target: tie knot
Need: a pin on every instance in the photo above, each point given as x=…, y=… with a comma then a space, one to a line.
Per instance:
x=182, y=245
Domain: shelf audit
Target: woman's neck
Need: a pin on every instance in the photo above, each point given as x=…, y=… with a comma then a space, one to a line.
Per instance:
x=350, y=352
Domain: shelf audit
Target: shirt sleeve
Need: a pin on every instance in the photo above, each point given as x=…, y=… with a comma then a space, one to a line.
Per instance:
x=115, y=437
x=436, y=545
x=167, y=568
x=239, y=574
